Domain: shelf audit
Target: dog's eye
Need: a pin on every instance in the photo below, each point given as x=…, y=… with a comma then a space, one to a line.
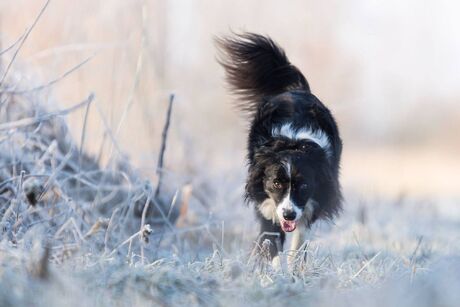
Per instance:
x=277, y=185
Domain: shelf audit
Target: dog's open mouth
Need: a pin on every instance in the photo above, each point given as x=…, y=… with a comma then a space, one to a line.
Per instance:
x=288, y=226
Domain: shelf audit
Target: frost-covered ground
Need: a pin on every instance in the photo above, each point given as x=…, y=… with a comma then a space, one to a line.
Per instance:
x=76, y=233
x=380, y=253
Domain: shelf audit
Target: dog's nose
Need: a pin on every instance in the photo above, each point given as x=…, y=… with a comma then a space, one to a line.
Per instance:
x=289, y=215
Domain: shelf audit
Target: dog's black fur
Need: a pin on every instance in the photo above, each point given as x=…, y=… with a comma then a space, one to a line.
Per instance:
x=274, y=93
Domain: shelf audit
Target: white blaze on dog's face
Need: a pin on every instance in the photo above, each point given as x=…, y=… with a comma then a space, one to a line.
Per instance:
x=289, y=187
x=288, y=213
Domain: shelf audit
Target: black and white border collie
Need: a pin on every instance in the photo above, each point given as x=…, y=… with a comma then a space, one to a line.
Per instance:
x=294, y=146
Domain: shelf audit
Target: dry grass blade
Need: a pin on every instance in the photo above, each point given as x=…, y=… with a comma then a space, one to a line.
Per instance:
x=414, y=254
x=140, y=233
x=49, y=83
x=12, y=45
x=21, y=123
x=26, y=35
x=365, y=265
x=137, y=75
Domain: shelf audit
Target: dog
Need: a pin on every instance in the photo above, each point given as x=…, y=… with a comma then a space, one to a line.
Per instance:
x=294, y=146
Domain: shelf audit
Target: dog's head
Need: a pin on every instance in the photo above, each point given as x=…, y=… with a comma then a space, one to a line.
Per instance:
x=287, y=179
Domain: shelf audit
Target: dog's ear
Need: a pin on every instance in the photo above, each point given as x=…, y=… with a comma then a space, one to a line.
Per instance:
x=254, y=189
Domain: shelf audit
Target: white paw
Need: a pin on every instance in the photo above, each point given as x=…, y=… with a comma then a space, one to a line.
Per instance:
x=276, y=263
x=279, y=263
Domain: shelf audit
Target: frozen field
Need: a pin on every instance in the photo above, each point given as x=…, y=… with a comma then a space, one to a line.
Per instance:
x=72, y=234
x=85, y=222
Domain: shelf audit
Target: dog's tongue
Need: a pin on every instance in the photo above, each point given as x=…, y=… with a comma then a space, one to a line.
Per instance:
x=288, y=226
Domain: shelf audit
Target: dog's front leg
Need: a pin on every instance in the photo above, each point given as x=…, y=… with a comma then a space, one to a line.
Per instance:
x=298, y=237
x=297, y=240
x=273, y=233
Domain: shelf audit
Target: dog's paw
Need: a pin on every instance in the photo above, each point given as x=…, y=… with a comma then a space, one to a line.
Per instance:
x=280, y=263
x=276, y=263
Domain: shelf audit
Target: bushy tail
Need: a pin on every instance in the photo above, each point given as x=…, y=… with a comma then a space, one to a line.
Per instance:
x=256, y=67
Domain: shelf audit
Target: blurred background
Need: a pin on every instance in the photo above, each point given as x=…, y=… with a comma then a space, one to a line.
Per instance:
x=388, y=70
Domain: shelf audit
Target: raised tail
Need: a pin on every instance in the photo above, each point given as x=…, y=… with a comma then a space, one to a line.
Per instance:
x=256, y=68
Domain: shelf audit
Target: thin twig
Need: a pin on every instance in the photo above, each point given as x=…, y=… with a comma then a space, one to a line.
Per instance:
x=82, y=141
x=414, y=253
x=24, y=122
x=13, y=44
x=109, y=228
x=164, y=137
x=49, y=83
x=144, y=214
x=131, y=238
x=23, y=41
x=108, y=131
